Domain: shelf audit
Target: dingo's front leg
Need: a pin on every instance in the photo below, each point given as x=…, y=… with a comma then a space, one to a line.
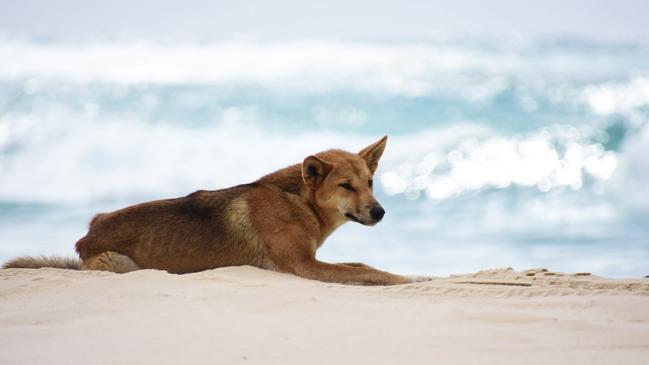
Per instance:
x=293, y=251
x=346, y=274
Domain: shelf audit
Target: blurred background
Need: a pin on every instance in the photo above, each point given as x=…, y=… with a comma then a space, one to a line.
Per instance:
x=518, y=130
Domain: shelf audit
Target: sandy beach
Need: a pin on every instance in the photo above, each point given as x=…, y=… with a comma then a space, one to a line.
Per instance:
x=247, y=315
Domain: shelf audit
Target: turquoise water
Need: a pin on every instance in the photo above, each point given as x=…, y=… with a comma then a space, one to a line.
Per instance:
x=523, y=154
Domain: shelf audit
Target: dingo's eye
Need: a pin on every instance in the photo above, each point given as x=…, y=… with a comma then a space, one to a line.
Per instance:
x=347, y=186
x=370, y=182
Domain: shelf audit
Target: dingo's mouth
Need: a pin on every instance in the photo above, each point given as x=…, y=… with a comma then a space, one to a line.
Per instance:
x=358, y=220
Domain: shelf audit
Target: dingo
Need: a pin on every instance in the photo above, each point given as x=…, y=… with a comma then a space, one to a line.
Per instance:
x=276, y=223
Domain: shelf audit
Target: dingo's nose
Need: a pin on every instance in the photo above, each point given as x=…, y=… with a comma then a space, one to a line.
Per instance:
x=377, y=212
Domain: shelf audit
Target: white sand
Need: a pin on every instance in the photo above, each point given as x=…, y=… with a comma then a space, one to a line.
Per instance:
x=246, y=315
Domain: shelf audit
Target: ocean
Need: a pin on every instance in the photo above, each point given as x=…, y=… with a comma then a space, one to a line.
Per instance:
x=501, y=153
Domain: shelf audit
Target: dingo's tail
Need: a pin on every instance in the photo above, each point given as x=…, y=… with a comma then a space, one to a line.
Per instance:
x=28, y=262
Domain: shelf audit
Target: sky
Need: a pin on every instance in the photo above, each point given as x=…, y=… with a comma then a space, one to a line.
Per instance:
x=337, y=19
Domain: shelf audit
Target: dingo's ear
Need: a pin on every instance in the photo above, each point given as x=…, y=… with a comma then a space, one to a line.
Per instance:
x=372, y=153
x=314, y=170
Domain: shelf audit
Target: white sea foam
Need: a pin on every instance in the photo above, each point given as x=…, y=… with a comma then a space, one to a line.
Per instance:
x=409, y=69
x=66, y=156
x=479, y=160
x=70, y=157
x=618, y=97
x=310, y=66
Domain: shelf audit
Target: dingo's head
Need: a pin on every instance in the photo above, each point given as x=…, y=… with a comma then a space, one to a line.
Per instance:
x=341, y=183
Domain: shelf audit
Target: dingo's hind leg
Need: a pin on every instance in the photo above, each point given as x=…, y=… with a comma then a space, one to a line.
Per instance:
x=110, y=261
